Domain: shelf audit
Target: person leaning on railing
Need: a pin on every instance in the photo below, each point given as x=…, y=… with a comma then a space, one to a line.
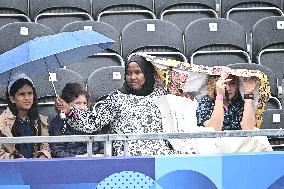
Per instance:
x=128, y=110
x=21, y=118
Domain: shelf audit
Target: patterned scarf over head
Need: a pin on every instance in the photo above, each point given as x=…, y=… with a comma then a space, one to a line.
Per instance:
x=148, y=71
x=180, y=78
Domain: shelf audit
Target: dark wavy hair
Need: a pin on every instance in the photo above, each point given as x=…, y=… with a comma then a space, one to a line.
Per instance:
x=72, y=91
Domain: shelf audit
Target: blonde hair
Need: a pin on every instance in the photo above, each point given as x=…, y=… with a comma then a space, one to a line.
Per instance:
x=211, y=85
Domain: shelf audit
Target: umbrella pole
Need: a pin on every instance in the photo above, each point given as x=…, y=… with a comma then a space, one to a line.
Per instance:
x=61, y=114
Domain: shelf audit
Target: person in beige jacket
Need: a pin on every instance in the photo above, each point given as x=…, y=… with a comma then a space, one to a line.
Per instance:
x=21, y=118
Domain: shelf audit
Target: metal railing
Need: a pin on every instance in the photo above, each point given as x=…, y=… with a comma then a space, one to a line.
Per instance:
x=109, y=138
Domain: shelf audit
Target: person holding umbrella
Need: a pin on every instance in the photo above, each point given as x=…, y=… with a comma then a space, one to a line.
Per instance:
x=75, y=95
x=130, y=109
x=21, y=118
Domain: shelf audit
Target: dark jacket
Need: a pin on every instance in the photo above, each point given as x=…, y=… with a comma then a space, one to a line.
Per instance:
x=70, y=149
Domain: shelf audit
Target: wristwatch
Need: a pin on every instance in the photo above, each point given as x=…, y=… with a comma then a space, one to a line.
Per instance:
x=249, y=96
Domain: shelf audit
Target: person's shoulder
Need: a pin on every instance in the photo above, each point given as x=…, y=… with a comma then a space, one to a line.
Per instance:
x=7, y=113
x=158, y=91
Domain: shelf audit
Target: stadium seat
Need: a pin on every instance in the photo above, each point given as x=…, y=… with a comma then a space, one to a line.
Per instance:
x=215, y=42
x=105, y=80
x=57, y=13
x=120, y=13
x=268, y=45
x=13, y=11
x=183, y=12
x=248, y=12
x=45, y=91
x=156, y=37
x=17, y=33
x=273, y=103
x=110, y=57
x=3, y=102
x=274, y=119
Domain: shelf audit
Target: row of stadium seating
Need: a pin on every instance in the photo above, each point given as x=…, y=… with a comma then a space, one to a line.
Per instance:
x=56, y=13
x=208, y=41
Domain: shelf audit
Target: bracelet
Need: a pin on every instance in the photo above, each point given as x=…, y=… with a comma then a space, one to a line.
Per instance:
x=249, y=96
x=219, y=97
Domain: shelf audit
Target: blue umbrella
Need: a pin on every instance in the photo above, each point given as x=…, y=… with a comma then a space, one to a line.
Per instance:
x=52, y=51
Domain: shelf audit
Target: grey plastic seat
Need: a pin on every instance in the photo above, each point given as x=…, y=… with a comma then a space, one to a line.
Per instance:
x=57, y=13
x=273, y=119
x=248, y=12
x=17, y=33
x=3, y=102
x=120, y=13
x=45, y=92
x=13, y=11
x=183, y=12
x=215, y=42
x=156, y=37
x=109, y=57
x=104, y=81
x=63, y=76
x=268, y=45
x=273, y=103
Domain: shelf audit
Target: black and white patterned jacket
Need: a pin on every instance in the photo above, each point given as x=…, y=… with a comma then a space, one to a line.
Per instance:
x=125, y=114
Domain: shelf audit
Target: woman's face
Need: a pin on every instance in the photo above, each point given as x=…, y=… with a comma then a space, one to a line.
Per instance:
x=231, y=88
x=23, y=98
x=134, y=76
x=80, y=103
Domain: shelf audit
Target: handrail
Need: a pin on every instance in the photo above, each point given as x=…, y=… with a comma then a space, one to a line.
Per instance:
x=109, y=138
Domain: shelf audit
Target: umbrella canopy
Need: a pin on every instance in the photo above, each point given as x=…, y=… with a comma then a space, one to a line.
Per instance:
x=52, y=51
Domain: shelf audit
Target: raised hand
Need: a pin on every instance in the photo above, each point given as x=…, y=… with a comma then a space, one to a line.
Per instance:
x=250, y=84
x=61, y=105
x=221, y=84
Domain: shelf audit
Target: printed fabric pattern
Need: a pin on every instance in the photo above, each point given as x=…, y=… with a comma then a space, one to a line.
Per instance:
x=232, y=115
x=126, y=114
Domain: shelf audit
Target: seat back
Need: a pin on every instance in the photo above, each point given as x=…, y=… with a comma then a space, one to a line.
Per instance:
x=268, y=44
x=63, y=76
x=120, y=13
x=183, y=12
x=17, y=33
x=3, y=101
x=104, y=81
x=57, y=13
x=154, y=36
x=40, y=6
x=273, y=119
x=248, y=12
x=266, y=33
x=273, y=103
x=14, y=11
x=215, y=41
x=101, y=27
x=109, y=57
